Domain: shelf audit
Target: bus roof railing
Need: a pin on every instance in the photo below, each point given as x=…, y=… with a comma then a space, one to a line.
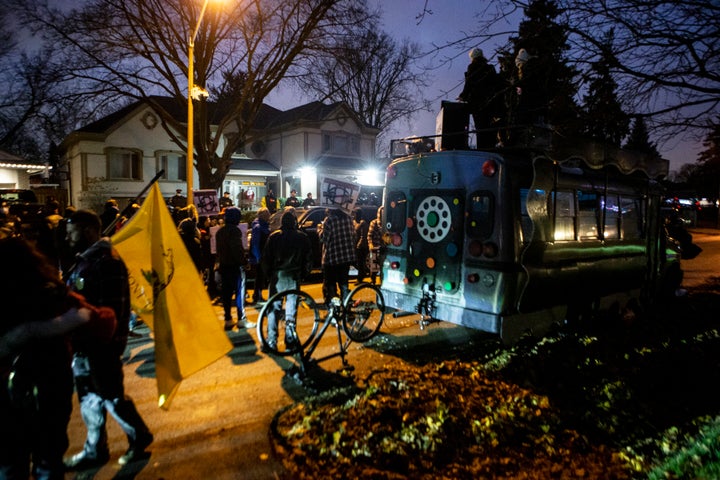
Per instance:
x=542, y=140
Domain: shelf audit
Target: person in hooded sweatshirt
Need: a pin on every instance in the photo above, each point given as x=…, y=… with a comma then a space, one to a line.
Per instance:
x=100, y=275
x=287, y=260
x=232, y=263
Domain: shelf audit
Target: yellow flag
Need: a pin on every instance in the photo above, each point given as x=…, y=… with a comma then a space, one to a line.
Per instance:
x=167, y=292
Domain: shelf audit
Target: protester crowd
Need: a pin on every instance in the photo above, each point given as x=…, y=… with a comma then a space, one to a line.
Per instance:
x=67, y=299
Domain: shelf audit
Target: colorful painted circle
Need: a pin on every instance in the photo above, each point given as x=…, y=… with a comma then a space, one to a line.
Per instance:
x=433, y=219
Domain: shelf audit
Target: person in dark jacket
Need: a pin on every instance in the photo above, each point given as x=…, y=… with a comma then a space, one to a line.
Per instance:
x=100, y=275
x=481, y=92
x=190, y=235
x=287, y=260
x=36, y=396
x=232, y=263
x=292, y=200
x=110, y=213
x=260, y=232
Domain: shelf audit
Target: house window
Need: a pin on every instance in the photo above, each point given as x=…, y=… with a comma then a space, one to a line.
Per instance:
x=341, y=143
x=173, y=164
x=124, y=164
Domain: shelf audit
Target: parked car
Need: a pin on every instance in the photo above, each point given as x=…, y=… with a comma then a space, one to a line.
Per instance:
x=310, y=218
x=21, y=203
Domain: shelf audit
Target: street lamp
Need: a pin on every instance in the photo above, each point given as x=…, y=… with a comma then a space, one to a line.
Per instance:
x=193, y=92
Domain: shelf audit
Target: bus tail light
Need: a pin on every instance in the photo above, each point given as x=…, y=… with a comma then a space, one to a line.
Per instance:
x=490, y=250
x=489, y=168
x=397, y=239
x=395, y=265
x=473, y=278
x=475, y=248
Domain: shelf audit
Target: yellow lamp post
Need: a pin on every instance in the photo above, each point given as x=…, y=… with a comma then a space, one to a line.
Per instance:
x=193, y=91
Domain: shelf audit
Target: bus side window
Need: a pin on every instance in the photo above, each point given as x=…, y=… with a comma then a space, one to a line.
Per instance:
x=563, y=204
x=525, y=220
x=612, y=218
x=631, y=218
x=587, y=215
x=480, y=215
x=396, y=212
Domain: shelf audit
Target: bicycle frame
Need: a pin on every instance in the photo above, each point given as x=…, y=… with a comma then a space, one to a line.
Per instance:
x=356, y=319
x=304, y=356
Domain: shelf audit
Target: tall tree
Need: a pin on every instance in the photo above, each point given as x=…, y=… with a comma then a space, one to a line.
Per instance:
x=639, y=139
x=545, y=40
x=666, y=55
x=115, y=52
x=603, y=118
x=24, y=92
x=374, y=74
x=707, y=176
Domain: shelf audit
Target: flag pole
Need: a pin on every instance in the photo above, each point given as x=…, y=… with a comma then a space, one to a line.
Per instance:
x=126, y=211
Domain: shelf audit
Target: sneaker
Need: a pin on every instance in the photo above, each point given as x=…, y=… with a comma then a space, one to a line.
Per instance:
x=244, y=323
x=229, y=325
x=85, y=461
x=291, y=338
x=137, y=450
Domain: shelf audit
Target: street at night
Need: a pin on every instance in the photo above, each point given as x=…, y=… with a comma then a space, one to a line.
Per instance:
x=219, y=424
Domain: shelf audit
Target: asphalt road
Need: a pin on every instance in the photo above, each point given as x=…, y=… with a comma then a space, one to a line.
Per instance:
x=218, y=424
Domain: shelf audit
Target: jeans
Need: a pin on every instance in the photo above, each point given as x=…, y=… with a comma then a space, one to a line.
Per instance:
x=100, y=389
x=281, y=284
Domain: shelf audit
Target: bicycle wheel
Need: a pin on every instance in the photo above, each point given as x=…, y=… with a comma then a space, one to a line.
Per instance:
x=272, y=324
x=364, y=312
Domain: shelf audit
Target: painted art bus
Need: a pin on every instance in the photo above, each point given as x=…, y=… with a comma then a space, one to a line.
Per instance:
x=511, y=240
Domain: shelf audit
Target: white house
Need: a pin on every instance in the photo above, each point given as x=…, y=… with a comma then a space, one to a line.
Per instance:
x=119, y=154
x=15, y=172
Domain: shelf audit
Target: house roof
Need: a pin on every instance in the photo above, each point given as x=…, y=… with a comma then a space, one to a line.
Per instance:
x=8, y=160
x=107, y=122
x=253, y=164
x=268, y=117
x=310, y=112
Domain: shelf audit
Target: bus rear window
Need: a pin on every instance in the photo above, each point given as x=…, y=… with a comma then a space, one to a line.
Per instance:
x=396, y=211
x=480, y=215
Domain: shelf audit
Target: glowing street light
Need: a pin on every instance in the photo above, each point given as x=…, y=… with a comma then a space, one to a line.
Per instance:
x=194, y=92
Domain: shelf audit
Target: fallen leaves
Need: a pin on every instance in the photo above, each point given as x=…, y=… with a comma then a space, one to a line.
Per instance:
x=601, y=402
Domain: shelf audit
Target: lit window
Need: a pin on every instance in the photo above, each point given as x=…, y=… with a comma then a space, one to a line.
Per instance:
x=632, y=218
x=564, y=209
x=612, y=218
x=587, y=215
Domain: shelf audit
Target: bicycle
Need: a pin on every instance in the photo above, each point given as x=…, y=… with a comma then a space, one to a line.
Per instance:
x=359, y=317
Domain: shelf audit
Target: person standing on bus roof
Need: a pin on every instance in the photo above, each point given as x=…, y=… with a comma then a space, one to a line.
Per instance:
x=482, y=85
